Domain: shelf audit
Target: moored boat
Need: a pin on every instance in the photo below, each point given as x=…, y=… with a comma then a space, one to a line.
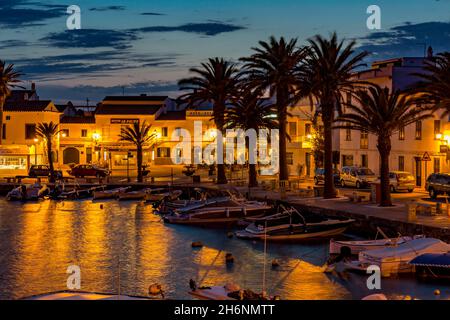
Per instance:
x=82, y=295
x=109, y=194
x=154, y=195
x=432, y=265
x=227, y=292
x=134, y=195
x=27, y=193
x=291, y=225
x=395, y=260
x=217, y=212
x=355, y=247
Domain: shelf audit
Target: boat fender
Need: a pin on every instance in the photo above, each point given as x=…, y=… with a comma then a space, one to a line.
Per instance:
x=101, y=206
x=437, y=292
x=228, y=212
x=407, y=298
x=230, y=235
x=155, y=290
x=244, y=211
x=229, y=258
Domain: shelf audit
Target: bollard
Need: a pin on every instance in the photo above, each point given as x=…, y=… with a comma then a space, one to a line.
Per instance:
x=411, y=212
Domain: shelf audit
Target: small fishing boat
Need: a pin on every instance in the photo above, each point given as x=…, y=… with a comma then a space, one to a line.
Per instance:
x=134, y=195
x=109, y=194
x=155, y=195
x=432, y=265
x=216, y=212
x=76, y=194
x=82, y=295
x=28, y=193
x=395, y=260
x=291, y=225
x=355, y=247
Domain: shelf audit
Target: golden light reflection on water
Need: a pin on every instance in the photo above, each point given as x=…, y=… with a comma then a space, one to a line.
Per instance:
x=126, y=243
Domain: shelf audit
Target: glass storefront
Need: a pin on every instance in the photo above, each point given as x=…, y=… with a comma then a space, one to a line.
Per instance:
x=13, y=162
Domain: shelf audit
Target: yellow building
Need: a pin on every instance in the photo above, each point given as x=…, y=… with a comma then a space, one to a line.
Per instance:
x=20, y=146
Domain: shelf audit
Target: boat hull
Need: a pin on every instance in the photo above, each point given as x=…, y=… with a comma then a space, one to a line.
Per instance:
x=359, y=246
x=292, y=237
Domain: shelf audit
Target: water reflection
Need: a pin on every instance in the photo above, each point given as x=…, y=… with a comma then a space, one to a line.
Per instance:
x=124, y=246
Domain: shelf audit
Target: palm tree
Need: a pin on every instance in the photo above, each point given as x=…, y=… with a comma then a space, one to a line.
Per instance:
x=326, y=74
x=9, y=78
x=215, y=82
x=47, y=131
x=247, y=113
x=383, y=114
x=435, y=85
x=139, y=135
x=274, y=67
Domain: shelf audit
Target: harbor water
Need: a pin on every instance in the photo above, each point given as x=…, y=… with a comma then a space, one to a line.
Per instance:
x=123, y=246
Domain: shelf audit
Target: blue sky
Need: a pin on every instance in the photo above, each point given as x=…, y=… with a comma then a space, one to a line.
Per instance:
x=146, y=46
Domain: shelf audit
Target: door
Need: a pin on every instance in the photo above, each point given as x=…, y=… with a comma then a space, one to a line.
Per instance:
x=418, y=171
x=71, y=155
x=308, y=164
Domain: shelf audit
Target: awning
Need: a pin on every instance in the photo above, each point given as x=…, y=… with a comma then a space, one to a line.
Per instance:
x=432, y=260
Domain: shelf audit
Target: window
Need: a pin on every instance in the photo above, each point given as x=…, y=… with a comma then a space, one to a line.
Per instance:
x=163, y=152
x=401, y=134
x=307, y=129
x=289, y=158
x=164, y=132
x=364, y=143
x=401, y=163
x=8, y=118
x=84, y=133
x=348, y=134
x=30, y=131
x=437, y=165
x=437, y=128
x=4, y=131
x=293, y=129
x=364, y=160
x=419, y=130
x=88, y=155
x=64, y=133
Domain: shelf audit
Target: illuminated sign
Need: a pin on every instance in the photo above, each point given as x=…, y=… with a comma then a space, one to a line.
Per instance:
x=124, y=121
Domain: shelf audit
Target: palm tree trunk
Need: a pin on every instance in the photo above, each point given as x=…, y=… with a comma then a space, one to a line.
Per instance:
x=327, y=118
x=139, y=164
x=252, y=176
x=50, y=160
x=2, y=104
x=221, y=174
x=282, y=104
x=384, y=148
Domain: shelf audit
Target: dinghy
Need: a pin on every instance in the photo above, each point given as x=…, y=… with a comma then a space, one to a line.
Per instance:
x=27, y=193
x=291, y=225
x=155, y=195
x=81, y=295
x=109, y=194
x=395, y=260
x=228, y=292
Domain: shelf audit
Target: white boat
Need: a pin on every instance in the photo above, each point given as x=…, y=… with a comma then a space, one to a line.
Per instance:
x=80, y=295
x=109, y=194
x=394, y=260
x=227, y=292
x=27, y=193
x=355, y=247
x=134, y=195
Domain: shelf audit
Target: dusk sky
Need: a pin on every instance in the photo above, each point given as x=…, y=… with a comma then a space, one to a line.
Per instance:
x=145, y=46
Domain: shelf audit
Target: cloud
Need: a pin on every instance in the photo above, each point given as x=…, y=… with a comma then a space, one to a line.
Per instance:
x=108, y=8
x=91, y=38
x=76, y=64
x=408, y=40
x=78, y=94
x=208, y=28
x=5, y=44
x=152, y=14
x=26, y=13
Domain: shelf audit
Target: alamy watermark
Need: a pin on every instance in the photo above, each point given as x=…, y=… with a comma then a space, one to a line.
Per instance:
x=374, y=20
x=73, y=22
x=239, y=146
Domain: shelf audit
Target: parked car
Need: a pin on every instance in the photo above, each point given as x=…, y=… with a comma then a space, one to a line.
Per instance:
x=401, y=181
x=358, y=177
x=319, y=176
x=437, y=184
x=87, y=170
x=42, y=170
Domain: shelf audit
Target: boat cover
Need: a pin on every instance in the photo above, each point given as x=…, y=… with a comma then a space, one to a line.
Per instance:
x=408, y=250
x=432, y=260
